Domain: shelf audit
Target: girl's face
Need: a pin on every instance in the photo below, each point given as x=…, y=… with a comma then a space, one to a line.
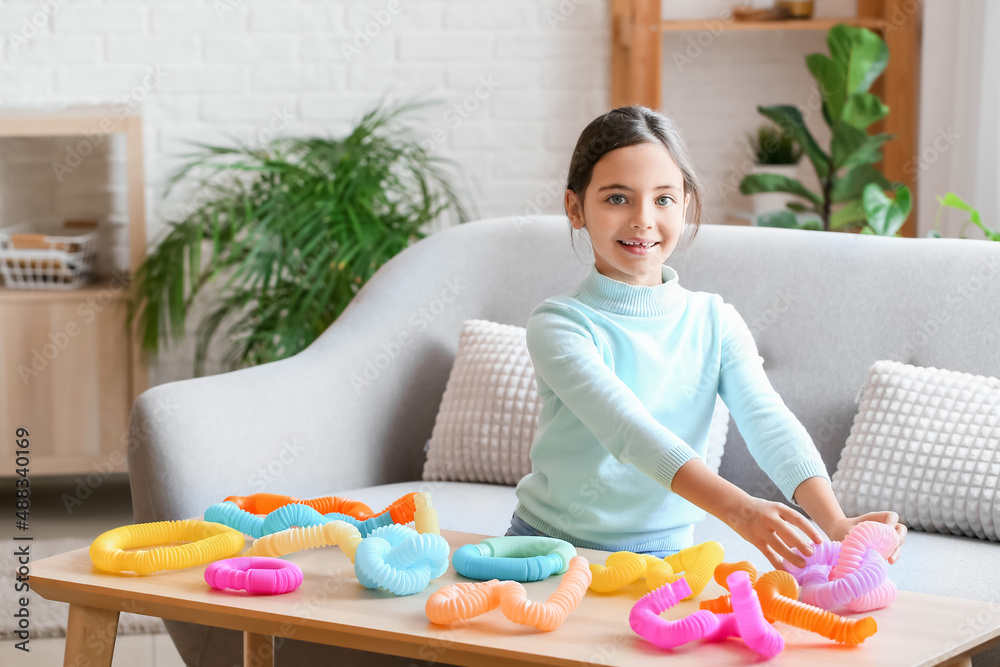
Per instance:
x=636, y=193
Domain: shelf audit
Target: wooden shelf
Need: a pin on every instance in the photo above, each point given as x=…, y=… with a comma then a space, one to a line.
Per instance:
x=789, y=24
x=69, y=121
x=637, y=72
x=99, y=288
x=75, y=367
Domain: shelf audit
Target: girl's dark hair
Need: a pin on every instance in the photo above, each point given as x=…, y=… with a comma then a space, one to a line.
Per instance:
x=627, y=126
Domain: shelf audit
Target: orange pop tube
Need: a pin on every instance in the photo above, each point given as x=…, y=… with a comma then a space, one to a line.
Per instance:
x=778, y=592
x=458, y=602
x=339, y=533
x=206, y=542
x=401, y=510
x=778, y=595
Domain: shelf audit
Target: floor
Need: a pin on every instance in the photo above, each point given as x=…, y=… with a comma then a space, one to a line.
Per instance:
x=56, y=512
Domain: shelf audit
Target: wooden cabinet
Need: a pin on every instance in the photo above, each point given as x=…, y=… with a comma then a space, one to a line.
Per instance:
x=71, y=368
x=637, y=33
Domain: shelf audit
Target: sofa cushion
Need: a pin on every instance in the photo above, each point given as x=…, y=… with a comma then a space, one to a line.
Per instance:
x=488, y=415
x=925, y=443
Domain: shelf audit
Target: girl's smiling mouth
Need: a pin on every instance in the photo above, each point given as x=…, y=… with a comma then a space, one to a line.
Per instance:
x=637, y=249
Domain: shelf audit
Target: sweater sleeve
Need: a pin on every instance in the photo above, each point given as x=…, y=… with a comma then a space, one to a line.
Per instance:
x=565, y=358
x=778, y=442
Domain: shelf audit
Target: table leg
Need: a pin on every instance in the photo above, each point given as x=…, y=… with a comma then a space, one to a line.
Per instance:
x=90, y=636
x=258, y=650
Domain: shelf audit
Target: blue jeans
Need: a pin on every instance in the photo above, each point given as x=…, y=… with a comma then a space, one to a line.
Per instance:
x=519, y=526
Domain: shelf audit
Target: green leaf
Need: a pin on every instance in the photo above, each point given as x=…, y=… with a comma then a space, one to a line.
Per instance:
x=789, y=220
x=852, y=183
x=954, y=201
x=777, y=219
x=790, y=117
x=800, y=208
x=831, y=79
x=851, y=215
x=885, y=216
x=860, y=52
x=756, y=183
x=851, y=146
x=863, y=109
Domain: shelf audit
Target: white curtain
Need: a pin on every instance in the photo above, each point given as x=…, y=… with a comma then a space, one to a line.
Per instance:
x=959, y=113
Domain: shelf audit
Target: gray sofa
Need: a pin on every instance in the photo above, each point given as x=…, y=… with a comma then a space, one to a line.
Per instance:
x=350, y=415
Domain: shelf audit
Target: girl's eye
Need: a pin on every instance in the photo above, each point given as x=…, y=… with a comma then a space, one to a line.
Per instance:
x=664, y=200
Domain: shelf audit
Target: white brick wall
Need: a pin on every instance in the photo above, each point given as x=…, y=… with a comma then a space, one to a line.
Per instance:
x=230, y=66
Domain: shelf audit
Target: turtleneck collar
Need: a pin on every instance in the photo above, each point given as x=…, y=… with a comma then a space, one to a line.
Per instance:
x=612, y=295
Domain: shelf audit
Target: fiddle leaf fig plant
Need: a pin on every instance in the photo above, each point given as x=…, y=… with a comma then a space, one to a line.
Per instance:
x=857, y=57
x=295, y=228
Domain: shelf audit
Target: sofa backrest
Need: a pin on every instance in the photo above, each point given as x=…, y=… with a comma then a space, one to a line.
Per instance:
x=822, y=307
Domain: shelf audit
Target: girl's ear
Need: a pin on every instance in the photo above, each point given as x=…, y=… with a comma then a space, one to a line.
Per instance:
x=687, y=200
x=573, y=209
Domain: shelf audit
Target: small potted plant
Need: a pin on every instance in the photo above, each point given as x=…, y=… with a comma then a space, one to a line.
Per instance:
x=775, y=151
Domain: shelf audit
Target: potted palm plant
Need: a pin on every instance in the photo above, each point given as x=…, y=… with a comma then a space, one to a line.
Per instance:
x=288, y=232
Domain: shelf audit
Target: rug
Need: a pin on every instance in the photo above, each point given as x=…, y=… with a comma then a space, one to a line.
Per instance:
x=48, y=618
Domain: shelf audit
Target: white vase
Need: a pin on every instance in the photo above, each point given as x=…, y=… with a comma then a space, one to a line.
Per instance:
x=766, y=202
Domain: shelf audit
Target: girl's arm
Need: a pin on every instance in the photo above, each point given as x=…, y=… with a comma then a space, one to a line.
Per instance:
x=765, y=524
x=815, y=495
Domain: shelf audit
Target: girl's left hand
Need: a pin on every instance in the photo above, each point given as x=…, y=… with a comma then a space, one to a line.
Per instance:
x=840, y=529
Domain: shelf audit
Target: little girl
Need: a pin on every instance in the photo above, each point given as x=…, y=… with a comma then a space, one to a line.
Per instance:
x=629, y=363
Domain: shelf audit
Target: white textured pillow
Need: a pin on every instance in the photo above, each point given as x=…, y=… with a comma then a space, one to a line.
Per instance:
x=489, y=412
x=925, y=443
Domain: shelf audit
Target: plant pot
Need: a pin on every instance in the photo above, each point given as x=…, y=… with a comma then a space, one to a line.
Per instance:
x=797, y=9
x=773, y=201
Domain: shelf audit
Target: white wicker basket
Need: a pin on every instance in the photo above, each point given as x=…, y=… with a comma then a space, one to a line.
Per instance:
x=64, y=261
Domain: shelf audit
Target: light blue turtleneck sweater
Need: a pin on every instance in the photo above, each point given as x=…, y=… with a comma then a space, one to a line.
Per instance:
x=628, y=377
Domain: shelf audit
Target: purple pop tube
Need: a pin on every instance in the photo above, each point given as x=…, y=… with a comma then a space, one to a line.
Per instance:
x=837, y=593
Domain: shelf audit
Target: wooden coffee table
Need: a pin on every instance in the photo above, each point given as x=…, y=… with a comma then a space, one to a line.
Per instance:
x=331, y=607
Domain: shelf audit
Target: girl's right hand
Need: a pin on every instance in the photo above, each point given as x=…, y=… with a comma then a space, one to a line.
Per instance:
x=771, y=527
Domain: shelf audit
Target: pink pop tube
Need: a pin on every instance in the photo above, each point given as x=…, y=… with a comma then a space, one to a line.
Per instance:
x=832, y=594
x=644, y=618
x=258, y=575
x=866, y=535
x=755, y=630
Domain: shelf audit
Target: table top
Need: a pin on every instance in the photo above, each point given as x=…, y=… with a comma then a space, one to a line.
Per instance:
x=332, y=607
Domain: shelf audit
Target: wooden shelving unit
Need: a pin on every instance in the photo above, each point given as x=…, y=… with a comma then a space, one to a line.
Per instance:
x=77, y=404
x=637, y=76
